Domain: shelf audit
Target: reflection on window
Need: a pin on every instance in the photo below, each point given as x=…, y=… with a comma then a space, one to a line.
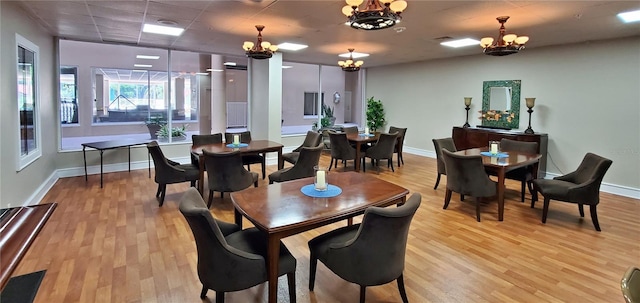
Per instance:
x=68, y=94
x=29, y=145
x=311, y=103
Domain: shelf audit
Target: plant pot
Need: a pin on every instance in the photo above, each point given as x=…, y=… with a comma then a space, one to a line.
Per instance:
x=153, y=130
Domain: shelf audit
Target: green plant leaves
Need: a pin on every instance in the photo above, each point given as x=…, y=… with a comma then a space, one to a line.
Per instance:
x=375, y=114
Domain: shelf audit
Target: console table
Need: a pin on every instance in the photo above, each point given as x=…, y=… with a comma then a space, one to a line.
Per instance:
x=472, y=137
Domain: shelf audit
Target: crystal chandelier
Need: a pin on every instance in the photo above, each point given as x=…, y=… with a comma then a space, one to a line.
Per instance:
x=260, y=50
x=350, y=65
x=374, y=15
x=505, y=44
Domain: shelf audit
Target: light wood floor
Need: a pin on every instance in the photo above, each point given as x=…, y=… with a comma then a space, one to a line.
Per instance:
x=116, y=245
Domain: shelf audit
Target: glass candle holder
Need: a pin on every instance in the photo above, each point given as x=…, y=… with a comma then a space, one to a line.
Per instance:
x=494, y=147
x=320, y=181
x=236, y=139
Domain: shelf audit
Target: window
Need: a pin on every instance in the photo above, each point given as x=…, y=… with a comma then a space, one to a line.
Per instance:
x=68, y=94
x=311, y=103
x=28, y=102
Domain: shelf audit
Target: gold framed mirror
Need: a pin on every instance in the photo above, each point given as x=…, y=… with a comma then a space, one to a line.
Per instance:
x=501, y=104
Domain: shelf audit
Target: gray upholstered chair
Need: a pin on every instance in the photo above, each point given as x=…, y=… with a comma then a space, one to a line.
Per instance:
x=466, y=176
x=523, y=174
x=230, y=259
x=630, y=285
x=399, y=142
x=350, y=130
x=198, y=140
x=309, y=157
x=312, y=139
x=226, y=173
x=170, y=172
x=439, y=144
x=382, y=150
x=245, y=137
x=581, y=187
x=370, y=253
x=341, y=149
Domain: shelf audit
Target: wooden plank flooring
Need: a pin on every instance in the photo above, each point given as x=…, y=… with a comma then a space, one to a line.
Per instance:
x=116, y=245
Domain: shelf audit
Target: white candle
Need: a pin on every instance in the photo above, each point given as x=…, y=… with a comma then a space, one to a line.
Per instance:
x=236, y=139
x=321, y=183
x=366, y=130
x=494, y=148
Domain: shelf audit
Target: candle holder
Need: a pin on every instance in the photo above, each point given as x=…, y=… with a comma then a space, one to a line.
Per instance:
x=467, y=103
x=320, y=180
x=530, y=103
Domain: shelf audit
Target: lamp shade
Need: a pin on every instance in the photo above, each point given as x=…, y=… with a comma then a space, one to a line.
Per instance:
x=531, y=102
x=467, y=101
x=398, y=6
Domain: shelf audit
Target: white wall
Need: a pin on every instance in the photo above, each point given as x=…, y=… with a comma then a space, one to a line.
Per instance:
x=32, y=178
x=588, y=100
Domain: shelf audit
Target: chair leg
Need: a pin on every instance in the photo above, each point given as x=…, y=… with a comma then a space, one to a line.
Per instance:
x=403, y=293
x=203, y=293
x=401, y=158
x=461, y=197
x=313, y=264
x=193, y=183
x=210, y=199
x=219, y=297
x=391, y=161
x=581, y=210
x=437, y=182
x=478, y=208
x=291, y=278
x=594, y=217
x=447, y=198
x=364, y=165
x=159, y=190
x=363, y=292
x=545, y=209
x=331, y=164
x=522, y=190
x=164, y=191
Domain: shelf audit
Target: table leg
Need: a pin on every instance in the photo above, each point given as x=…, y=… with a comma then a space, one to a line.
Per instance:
x=273, y=252
x=501, y=173
x=237, y=218
x=149, y=162
x=534, y=173
x=129, y=149
x=358, y=145
x=101, y=152
x=280, y=159
x=84, y=155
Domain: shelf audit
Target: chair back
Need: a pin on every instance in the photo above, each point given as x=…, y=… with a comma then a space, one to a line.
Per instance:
x=309, y=157
x=350, y=130
x=225, y=171
x=245, y=137
x=164, y=172
x=519, y=146
x=340, y=147
x=466, y=175
x=312, y=139
x=630, y=285
x=198, y=140
x=400, y=141
x=439, y=144
x=384, y=147
x=591, y=169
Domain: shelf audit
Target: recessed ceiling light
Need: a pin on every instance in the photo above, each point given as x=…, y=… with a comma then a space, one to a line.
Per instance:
x=229, y=63
x=292, y=46
x=143, y=65
x=461, y=42
x=202, y=74
x=214, y=70
x=356, y=55
x=163, y=30
x=629, y=17
x=286, y=66
x=148, y=57
x=139, y=70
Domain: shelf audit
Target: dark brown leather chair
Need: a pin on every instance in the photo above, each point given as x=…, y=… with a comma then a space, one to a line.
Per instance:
x=630, y=285
x=439, y=144
x=350, y=130
x=230, y=259
x=245, y=137
x=170, y=172
x=226, y=173
x=370, y=253
x=466, y=176
x=399, y=143
x=522, y=174
x=341, y=149
x=312, y=139
x=581, y=186
x=198, y=140
x=382, y=150
x=309, y=157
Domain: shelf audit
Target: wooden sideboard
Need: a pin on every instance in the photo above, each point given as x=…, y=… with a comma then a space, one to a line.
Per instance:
x=472, y=137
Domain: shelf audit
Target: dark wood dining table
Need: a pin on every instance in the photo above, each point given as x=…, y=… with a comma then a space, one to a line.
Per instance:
x=254, y=147
x=500, y=166
x=282, y=210
x=359, y=140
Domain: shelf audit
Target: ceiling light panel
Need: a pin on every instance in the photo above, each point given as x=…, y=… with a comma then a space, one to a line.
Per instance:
x=461, y=43
x=291, y=46
x=356, y=55
x=162, y=30
x=628, y=17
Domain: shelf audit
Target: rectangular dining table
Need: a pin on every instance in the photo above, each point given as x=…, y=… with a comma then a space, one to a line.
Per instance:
x=101, y=146
x=360, y=139
x=500, y=166
x=253, y=147
x=282, y=210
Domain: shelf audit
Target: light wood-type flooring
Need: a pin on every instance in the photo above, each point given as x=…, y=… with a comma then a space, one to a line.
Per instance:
x=116, y=245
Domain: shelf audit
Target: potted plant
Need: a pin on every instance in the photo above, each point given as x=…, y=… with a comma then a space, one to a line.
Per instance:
x=375, y=114
x=154, y=123
x=177, y=133
x=327, y=112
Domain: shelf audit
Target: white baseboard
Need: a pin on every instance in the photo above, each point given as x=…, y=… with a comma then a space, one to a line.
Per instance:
x=41, y=191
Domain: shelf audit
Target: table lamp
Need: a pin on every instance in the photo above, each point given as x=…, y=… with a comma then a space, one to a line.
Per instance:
x=530, y=102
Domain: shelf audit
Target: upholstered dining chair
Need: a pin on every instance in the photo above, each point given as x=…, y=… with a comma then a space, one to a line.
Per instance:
x=341, y=149
x=581, y=187
x=309, y=157
x=230, y=259
x=630, y=285
x=226, y=173
x=466, y=176
x=399, y=142
x=382, y=150
x=312, y=139
x=170, y=172
x=370, y=253
x=439, y=144
x=198, y=140
x=245, y=137
x=522, y=174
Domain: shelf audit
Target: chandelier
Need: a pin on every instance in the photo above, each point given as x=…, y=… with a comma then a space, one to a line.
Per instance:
x=260, y=50
x=506, y=44
x=349, y=65
x=374, y=15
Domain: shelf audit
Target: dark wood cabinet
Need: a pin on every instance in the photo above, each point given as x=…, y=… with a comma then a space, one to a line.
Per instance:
x=472, y=137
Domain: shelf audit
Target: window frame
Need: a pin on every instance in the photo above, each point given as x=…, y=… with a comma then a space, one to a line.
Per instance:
x=34, y=154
